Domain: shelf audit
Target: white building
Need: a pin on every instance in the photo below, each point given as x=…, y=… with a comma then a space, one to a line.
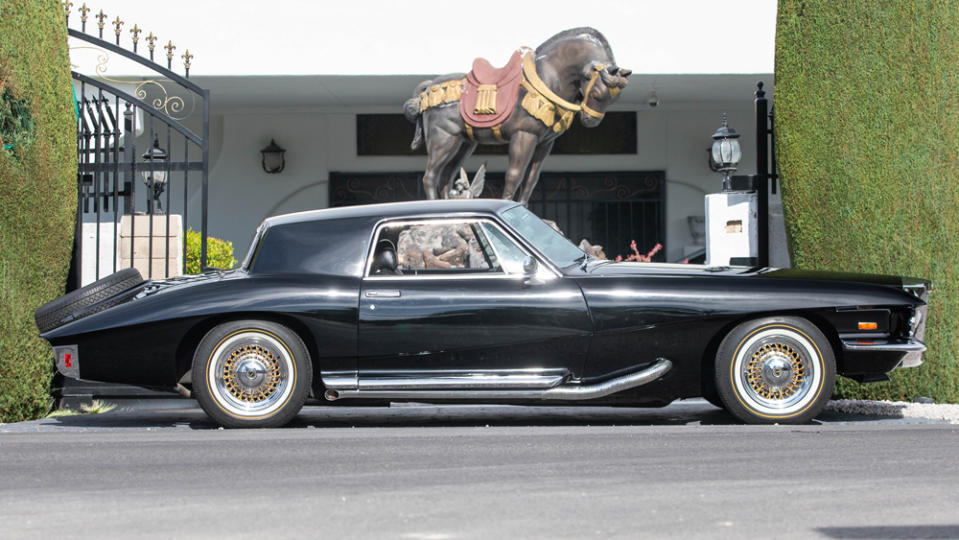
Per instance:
x=300, y=73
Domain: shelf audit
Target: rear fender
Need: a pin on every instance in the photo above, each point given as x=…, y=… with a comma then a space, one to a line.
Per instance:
x=190, y=341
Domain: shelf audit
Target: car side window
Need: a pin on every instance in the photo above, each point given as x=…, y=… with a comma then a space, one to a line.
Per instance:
x=509, y=255
x=444, y=248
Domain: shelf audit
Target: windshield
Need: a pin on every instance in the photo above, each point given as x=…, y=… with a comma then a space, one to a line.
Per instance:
x=543, y=237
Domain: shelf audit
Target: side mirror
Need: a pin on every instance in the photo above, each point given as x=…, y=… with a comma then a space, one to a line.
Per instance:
x=530, y=266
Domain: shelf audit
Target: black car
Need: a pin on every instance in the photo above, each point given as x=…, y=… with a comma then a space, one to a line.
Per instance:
x=481, y=301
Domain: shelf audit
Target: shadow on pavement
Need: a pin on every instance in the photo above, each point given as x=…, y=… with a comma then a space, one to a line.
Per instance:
x=398, y=415
x=892, y=531
x=684, y=412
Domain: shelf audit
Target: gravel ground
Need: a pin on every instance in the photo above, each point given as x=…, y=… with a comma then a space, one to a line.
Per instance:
x=897, y=409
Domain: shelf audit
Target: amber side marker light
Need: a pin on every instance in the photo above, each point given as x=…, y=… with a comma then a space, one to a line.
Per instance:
x=868, y=326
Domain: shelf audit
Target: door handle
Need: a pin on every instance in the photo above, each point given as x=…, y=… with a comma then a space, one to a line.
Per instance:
x=383, y=293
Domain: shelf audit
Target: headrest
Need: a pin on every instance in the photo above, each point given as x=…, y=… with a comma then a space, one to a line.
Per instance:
x=384, y=261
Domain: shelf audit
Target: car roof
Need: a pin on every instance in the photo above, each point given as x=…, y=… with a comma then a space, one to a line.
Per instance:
x=387, y=210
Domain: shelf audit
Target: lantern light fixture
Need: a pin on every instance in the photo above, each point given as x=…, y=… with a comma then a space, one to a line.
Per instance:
x=274, y=159
x=155, y=177
x=725, y=153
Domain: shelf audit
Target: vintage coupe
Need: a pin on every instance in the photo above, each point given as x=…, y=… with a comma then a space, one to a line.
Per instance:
x=480, y=301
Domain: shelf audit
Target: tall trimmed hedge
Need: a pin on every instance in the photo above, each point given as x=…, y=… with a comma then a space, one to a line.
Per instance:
x=867, y=120
x=38, y=167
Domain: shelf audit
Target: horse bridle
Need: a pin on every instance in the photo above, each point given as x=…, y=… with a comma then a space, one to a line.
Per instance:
x=597, y=72
x=529, y=71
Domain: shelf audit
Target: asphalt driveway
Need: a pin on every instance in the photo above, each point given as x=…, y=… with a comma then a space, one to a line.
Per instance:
x=685, y=471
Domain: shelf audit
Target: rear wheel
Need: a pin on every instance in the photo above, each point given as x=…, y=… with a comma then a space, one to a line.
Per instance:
x=778, y=369
x=251, y=374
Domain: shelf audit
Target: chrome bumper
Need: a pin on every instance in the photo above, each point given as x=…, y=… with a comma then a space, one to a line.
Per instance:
x=911, y=346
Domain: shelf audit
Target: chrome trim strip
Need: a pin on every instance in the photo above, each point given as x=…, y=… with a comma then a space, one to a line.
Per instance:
x=451, y=276
x=464, y=382
x=562, y=392
x=908, y=346
x=432, y=219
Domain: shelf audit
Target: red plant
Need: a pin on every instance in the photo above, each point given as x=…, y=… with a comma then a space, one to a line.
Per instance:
x=639, y=257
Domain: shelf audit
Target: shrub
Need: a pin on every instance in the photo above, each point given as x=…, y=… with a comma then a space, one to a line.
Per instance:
x=38, y=168
x=867, y=133
x=219, y=253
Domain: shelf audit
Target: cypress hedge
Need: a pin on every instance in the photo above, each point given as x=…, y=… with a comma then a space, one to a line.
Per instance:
x=38, y=167
x=867, y=134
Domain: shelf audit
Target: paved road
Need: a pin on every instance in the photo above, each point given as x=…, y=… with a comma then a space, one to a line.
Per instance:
x=479, y=472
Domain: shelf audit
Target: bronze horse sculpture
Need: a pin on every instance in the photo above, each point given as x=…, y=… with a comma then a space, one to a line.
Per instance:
x=527, y=105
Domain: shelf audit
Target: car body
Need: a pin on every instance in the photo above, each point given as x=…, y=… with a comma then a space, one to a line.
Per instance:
x=480, y=300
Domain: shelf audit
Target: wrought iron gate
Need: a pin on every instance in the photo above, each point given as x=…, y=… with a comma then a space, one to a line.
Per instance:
x=140, y=143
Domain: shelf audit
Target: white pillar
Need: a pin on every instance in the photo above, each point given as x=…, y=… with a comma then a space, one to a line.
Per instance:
x=731, y=227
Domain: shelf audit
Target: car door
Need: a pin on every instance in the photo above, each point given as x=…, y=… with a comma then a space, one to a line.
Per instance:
x=457, y=303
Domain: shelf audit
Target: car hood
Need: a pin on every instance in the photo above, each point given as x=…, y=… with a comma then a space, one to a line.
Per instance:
x=610, y=268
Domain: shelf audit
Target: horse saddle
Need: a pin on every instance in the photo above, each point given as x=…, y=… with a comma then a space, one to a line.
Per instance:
x=489, y=94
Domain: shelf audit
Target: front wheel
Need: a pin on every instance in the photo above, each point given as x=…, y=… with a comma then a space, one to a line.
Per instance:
x=251, y=374
x=778, y=369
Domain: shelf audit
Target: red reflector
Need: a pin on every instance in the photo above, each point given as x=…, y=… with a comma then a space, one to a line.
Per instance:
x=861, y=342
x=66, y=360
x=868, y=326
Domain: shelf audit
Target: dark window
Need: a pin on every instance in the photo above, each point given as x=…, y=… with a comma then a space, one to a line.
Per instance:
x=607, y=208
x=391, y=135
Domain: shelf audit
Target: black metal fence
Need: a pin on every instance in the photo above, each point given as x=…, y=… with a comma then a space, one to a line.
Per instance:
x=143, y=152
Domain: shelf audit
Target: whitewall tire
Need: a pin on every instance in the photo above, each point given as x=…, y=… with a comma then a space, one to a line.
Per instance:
x=778, y=369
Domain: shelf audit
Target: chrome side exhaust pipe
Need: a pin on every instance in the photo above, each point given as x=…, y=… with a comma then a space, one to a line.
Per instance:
x=566, y=392
x=648, y=375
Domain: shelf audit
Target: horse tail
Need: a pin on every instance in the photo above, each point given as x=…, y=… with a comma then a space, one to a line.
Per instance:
x=411, y=110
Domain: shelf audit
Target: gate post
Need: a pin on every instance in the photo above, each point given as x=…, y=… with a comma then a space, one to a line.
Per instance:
x=762, y=173
x=129, y=175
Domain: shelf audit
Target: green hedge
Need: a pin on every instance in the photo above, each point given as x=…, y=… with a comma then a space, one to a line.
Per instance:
x=867, y=133
x=38, y=168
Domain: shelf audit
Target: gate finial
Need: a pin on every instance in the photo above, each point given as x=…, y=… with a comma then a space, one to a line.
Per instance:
x=101, y=16
x=117, y=23
x=83, y=16
x=169, y=54
x=151, y=39
x=186, y=61
x=67, y=4
x=136, y=36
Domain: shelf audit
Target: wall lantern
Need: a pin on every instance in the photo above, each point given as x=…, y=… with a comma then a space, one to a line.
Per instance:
x=273, y=158
x=155, y=179
x=725, y=153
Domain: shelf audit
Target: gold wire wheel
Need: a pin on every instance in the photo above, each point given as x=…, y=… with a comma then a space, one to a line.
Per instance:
x=777, y=370
x=784, y=371
x=248, y=364
x=251, y=373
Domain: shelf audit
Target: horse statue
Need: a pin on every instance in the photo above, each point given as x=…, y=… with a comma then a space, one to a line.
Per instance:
x=527, y=104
